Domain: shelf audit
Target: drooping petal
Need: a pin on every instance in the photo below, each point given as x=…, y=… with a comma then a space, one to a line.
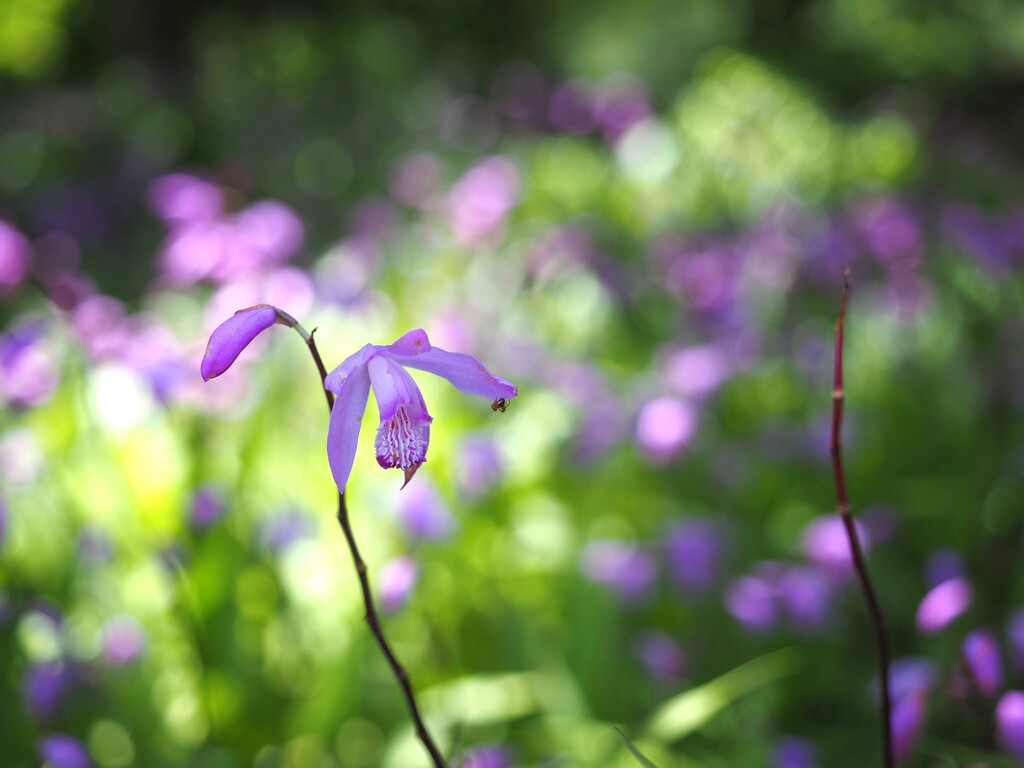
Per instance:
x=404, y=432
x=393, y=387
x=346, y=419
x=413, y=343
x=234, y=335
x=336, y=379
x=464, y=371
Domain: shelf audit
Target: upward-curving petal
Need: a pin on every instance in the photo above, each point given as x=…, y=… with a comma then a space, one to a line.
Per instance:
x=465, y=372
x=415, y=342
x=234, y=335
x=336, y=379
x=346, y=419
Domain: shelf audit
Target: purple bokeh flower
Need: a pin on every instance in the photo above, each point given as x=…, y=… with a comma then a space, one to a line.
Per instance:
x=285, y=528
x=487, y=756
x=480, y=201
x=825, y=543
x=943, y=565
x=908, y=718
x=235, y=334
x=693, y=550
x=1010, y=723
x=424, y=513
x=695, y=371
x=794, y=752
x=752, y=599
x=180, y=198
x=1015, y=635
x=124, y=641
x=404, y=432
x=479, y=467
x=625, y=567
x=805, y=595
x=571, y=107
x=396, y=582
x=943, y=604
x=93, y=546
x=664, y=426
x=44, y=688
x=208, y=505
x=58, y=750
x=660, y=654
x=984, y=664
x=15, y=257
x=620, y=103
x=28, y=372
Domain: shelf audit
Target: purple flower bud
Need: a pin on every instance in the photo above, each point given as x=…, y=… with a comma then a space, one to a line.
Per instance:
x=423, y=512
x=207, y=507
x=397, y=579
x=625, y=567
x=908, y=718
x=124, y=641
x=660, y=654
x=487, y=757
x=58, y=750
x=981, y=654
x=943, y=604
x=234, y=335
x=793, y=752
x=1010, y=723
x=693, y=549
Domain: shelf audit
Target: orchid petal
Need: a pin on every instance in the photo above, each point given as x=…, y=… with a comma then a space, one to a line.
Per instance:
x=404, y=432
x=415, y=342
x=335, y=380
x=234, y=335
x=346, y=419
x=464, y=371
x=394, y=388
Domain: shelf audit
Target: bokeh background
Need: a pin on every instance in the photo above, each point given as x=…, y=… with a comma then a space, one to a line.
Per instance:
x=640, y=213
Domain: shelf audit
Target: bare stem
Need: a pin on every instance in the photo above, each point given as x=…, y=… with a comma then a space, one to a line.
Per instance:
x=364, y=583
x=856, y=551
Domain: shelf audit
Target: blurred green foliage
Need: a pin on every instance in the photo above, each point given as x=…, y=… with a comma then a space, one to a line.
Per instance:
x=513, y=212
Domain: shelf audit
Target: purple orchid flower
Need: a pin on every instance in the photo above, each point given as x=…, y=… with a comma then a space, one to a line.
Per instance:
x=404, y=431
x=236, y=333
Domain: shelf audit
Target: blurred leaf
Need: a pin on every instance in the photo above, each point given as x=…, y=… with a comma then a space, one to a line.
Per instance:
x=635, y=752
x=691, y=710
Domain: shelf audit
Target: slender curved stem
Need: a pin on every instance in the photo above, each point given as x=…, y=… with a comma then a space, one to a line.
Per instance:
x=856, y=550
x=371, y=616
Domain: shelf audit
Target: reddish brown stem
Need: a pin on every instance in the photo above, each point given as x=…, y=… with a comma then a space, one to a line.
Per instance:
x=371, y=611
x=856, y=551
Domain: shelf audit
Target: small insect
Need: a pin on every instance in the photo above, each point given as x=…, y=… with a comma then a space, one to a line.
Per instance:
x=501, y=404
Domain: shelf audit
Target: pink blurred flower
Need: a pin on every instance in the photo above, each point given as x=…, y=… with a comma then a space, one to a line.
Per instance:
x=943, y=604
x=15, y=257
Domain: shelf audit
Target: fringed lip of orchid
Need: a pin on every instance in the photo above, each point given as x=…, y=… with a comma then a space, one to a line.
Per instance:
x=403, y=434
